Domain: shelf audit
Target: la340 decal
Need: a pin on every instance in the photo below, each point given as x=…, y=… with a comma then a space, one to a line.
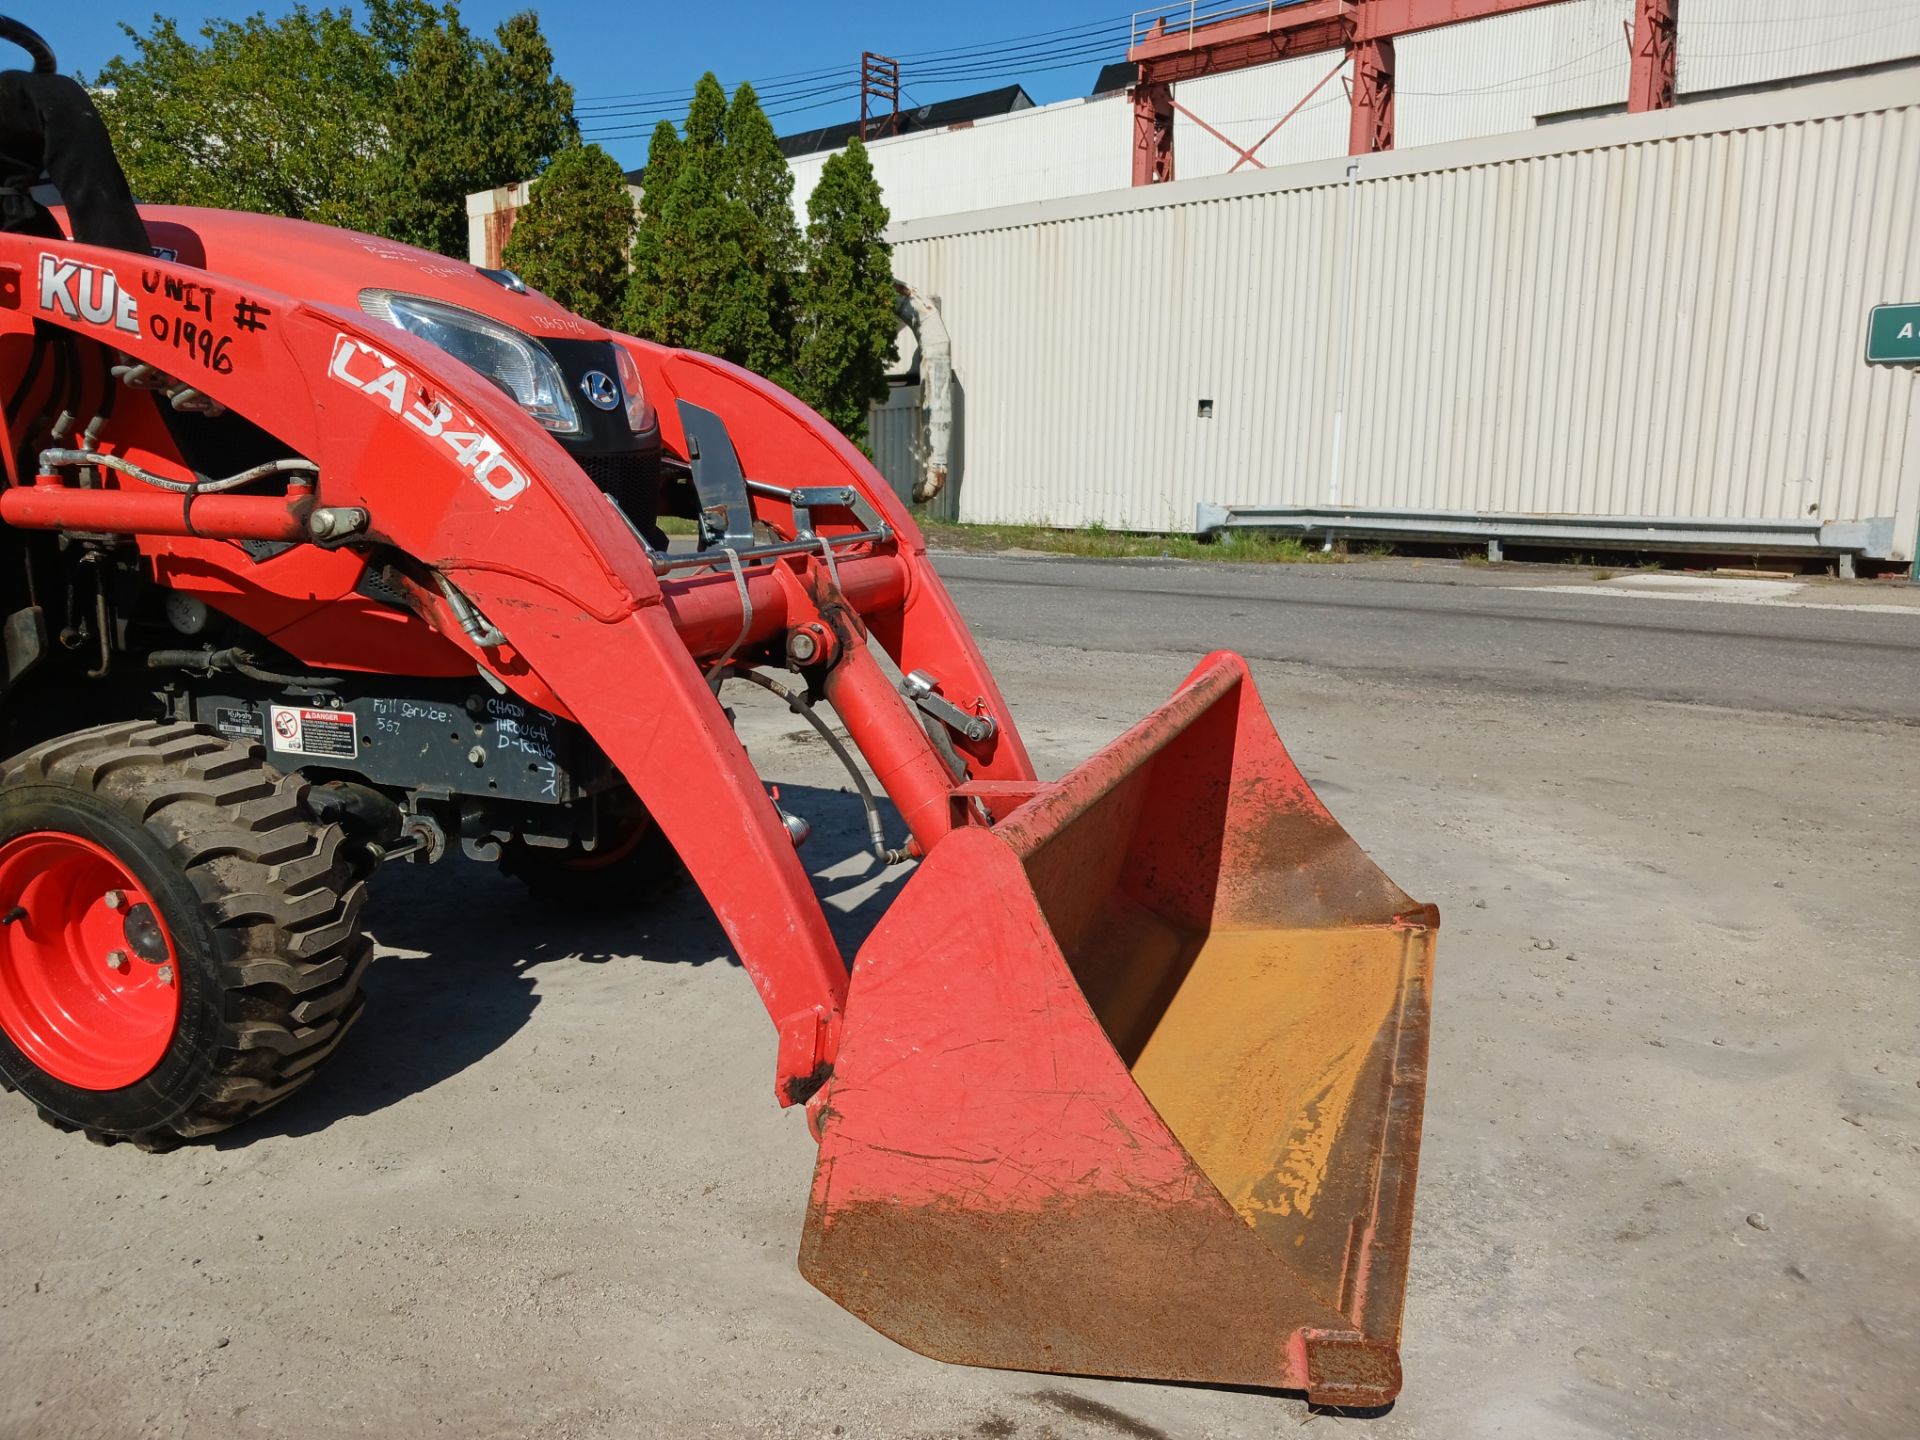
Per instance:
x=359, y=366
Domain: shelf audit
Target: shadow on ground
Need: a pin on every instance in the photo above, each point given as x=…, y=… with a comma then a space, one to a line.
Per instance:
x=453, y=976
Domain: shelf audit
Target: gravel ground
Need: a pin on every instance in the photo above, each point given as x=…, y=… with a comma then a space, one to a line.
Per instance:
x=1670, y=1184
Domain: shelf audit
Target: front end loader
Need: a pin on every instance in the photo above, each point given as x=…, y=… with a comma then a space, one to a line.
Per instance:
x=312, y=560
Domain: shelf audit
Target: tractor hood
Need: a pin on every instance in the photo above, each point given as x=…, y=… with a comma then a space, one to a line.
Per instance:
x=330, y=265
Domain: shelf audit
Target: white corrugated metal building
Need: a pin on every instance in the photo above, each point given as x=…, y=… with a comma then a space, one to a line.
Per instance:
x=1651, y=322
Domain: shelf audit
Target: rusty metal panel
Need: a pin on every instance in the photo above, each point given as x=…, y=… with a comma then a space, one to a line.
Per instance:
x=1657, y=314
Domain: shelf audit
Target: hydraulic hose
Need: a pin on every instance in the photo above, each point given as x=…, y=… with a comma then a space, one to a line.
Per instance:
x=241, y=662
x=50, y=459
x=876, y=832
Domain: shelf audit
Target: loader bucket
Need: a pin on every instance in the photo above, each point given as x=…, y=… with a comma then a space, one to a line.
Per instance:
x=1131, y=1082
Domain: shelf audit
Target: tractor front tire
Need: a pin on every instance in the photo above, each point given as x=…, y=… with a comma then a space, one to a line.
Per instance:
x=634, y=875
x=180, y=942
x=634, y=868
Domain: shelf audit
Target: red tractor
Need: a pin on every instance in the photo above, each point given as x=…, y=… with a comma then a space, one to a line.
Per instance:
x=319, y=553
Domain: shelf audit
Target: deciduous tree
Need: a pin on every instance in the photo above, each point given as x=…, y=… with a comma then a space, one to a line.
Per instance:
x=282, y=117
x=385, y=128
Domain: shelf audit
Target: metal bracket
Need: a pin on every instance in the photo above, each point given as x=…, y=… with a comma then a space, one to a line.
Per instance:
x=726, y=512
x=807, y=498
x=922, y=689
x=335, y=525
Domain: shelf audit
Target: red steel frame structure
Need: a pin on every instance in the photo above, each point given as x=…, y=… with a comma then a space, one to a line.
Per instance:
x=1361, y=29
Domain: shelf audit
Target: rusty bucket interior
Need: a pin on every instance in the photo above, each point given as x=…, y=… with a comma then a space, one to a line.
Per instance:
x=1131, y=1083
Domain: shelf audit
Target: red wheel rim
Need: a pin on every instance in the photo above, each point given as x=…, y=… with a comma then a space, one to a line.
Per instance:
x=609, y=855
x=76, y=996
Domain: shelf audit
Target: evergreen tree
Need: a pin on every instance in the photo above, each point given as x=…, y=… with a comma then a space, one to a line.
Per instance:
x=651, y=309
x=697, y=281
x=570, y=241
x=847, y=326
x=761, y=182
x=465, y=115
x=709, y=262
x=718, y=258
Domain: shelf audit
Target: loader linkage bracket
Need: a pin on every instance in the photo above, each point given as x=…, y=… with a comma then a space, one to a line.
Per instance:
x=924, y=691
x=726, y=512
x=725, y=498
x=805, y=499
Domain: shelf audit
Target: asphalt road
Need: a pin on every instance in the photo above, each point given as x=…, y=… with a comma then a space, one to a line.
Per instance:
x=1514, y=629
x=1670, y=1172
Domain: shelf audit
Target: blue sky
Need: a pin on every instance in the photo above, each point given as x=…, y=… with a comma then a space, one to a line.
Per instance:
x=656, y=51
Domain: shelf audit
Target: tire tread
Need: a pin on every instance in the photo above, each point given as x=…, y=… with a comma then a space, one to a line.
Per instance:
x=278, y=887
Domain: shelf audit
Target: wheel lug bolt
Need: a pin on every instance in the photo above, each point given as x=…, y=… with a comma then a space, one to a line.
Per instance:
x=115, y=899
x=165, y=975
x=117, y=960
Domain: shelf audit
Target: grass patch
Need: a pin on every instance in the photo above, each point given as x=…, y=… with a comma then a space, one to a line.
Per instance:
x=1098, y=542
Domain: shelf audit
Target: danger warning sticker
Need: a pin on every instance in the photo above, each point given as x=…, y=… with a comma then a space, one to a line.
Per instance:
x=296, y=730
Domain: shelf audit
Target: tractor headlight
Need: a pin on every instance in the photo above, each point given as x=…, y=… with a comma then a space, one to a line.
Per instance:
x=513, y=362
x=640, y=416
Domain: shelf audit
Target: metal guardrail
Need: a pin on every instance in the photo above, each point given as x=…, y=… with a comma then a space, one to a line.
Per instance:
x=1841, y=540
x=1184, y=20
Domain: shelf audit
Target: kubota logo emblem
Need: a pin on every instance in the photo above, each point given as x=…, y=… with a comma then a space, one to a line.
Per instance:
x=86, y=292
x=359, y=366
x=598, y=387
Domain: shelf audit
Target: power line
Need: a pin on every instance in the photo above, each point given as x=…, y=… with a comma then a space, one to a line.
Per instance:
x=681, y=99
x=645, y=123
x=845, y=94
x=1012, y=45
x=984, y=60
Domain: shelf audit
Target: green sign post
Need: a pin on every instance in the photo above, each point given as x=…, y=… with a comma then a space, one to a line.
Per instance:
x=1893, y=335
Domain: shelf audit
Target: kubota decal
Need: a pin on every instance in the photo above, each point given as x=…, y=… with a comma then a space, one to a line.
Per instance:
x=86, y=292
x=359, y=366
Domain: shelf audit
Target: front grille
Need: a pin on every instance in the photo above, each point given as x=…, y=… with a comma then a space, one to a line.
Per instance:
x=631, y=478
